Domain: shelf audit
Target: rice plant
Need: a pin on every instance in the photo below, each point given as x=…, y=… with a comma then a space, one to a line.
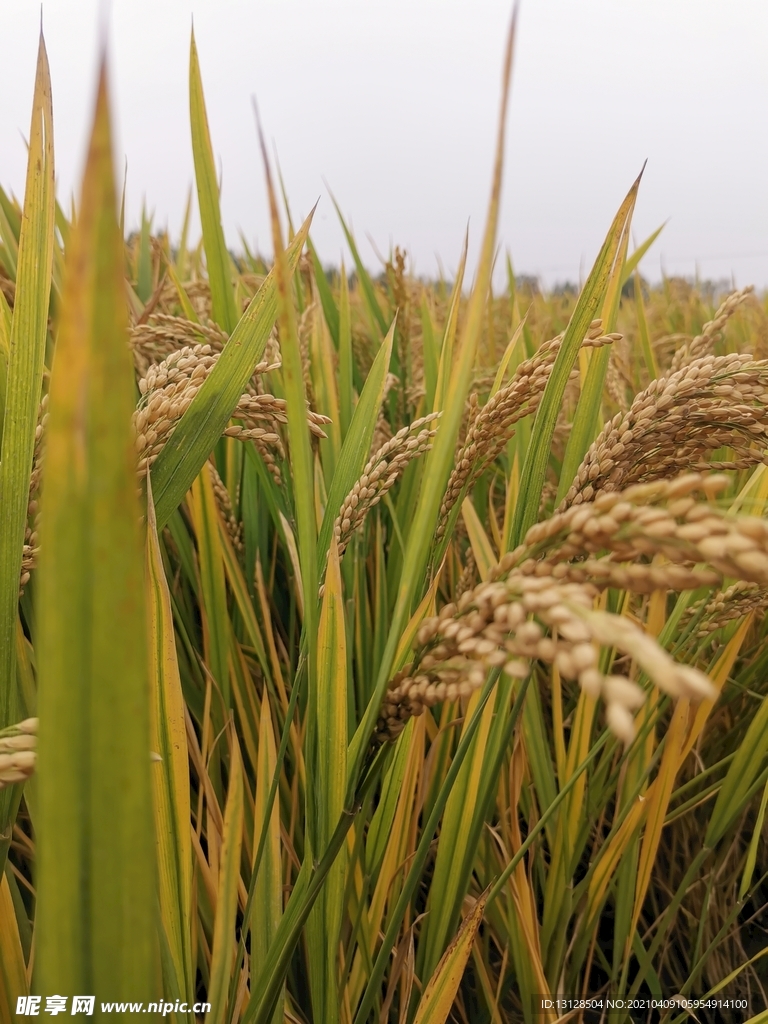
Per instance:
x=396, y=650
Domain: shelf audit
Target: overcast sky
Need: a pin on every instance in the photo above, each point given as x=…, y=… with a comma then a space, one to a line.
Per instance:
x=394, y=103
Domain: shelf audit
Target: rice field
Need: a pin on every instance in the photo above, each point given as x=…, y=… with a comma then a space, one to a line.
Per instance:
x=372, y=648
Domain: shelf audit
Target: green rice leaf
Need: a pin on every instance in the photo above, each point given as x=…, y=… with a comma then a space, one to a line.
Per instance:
x=144, y=260
x=217, y=257
x=224, y=939
x=642, y=327
x=170, y=775
x=742, y=773
x=586, y=421
x=591, y=298
x=213, y=594
x=6, y=318
x=268, y=892
x=440, y=460
x=346, y=360
x=357, y=443
x=206, y=418
x=95, y=920
x=633, y=261
x=11, y=215
x=24, y=373
x=327, y=300
x=373, y=309
x=431, y=355
x=330, y=710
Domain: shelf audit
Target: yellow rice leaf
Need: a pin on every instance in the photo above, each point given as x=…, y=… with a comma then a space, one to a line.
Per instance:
x=268, y=894
x=401, y=837
x=754, y=493
x=657, y=802
x=213, y=594
x=449, y=336
x=426, y=607
x=170, y=775
x=293, y=554
x=482, y=548
x=522, y=894
x=217, y=258
x=324, y=378
x=610, y=855
x=718, y=676
x=13, y=970
x=224, y=939
x=440, y=992
x=330, y=708
x=514, y=347
x=184, y=299
x=452, y=845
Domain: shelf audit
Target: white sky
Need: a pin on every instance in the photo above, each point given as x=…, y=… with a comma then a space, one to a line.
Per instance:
x=394, y=104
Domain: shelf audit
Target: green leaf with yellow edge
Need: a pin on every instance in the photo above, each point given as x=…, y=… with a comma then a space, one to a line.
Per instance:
x=213, y=592
x=184, y=300
x=381, y=833
x=144, y=260
x=642, y=328
x=440, y=459
x=430, y=349
x=13, y=970
x=449, y=334
x=479, y=541
x=237, y=585
x=95, y=920
x=346, y=360
x=633, y=261
x=224, y=937
x=216, y=255
x=513, y=355
x=5, y=348
x=325, y=386
x=182, y=252
x=357, y=443
x=742, y=772
x=23, y=381
x=11, y=214
x=268, y=892
x=327, y=301
x=585, y=424
x=391, y=833
x=439, y=995
x=292, y=373
x=10, y=247
x=449, y=879
x=377, y=319
x=330, y=711
x=419, y=858
x=754, y=842
x=591, y=298
x=267, y=978
x=170, y=775
x=205, y=420
x=657, y=801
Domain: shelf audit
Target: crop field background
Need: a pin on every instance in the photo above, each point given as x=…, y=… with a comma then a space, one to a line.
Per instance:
x=374, y=648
